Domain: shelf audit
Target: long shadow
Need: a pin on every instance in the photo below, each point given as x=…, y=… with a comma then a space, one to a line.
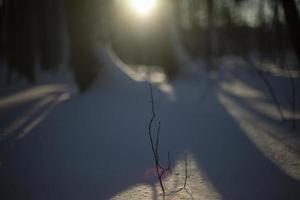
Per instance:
x=279, y=84
x=96, y=145
x=251, y=109
x=267, y=119
x=233, y=164
x=93, y=147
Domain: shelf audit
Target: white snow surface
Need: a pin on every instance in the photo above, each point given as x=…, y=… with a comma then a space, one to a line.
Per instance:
x=58, y=144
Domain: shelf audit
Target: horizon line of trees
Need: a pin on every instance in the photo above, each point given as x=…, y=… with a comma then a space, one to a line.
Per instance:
x=43, y=31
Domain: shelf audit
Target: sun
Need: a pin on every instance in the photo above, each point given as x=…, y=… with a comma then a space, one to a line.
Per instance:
x=143, y=7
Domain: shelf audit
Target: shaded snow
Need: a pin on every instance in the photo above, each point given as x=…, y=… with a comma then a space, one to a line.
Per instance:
x=95, y=145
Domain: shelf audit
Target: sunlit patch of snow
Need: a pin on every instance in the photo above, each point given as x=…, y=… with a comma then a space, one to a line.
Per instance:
x=241, y=89
x=136, y=192
x=268, y=67
x=140, y=73
x=32, y=94
x=35, y=122
x=151, y=174
x=253, y=98
x=198, y=186
x=279, y=71
x=280, y=146
x=47, y=96
x=271, y=111
x=23, y=119
x=168, y=89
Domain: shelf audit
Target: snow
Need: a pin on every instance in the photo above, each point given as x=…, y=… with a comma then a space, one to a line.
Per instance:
x=95, y=145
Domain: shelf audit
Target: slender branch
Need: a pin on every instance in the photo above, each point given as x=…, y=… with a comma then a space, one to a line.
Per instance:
x=185, y=176
x=160, y=170
x=185, y=179
x=151, y=122
x=155, y=148
x=169, y=163
x=152, y=100
x=157, y=141
x=160, y=180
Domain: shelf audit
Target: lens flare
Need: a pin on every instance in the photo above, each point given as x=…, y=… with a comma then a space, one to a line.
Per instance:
x=143, y=7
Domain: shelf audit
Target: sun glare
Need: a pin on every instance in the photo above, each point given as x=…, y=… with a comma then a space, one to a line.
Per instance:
x=143, y=7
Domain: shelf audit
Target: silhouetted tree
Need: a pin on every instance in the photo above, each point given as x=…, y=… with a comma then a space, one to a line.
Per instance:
x=168, y=55
x=49, y=30
x=293, y=22
x=34, y=32
x=211, y=37
x=83, y=21
x=20, y=37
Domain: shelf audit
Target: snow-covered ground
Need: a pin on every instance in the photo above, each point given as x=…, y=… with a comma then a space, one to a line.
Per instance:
x=56, y=144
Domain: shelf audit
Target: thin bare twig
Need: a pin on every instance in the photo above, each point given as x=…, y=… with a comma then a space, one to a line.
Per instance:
x=185, y=179
x=157, y=141
x=159, y=169
x=169, y=163
x=186, y=176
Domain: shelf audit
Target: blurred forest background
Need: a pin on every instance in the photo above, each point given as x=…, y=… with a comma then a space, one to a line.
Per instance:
x=222, y=77
x=48, y=33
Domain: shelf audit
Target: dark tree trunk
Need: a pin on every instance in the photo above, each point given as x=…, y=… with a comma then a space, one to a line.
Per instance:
x=49, y=31
x=20, y=37
x=32, y=31
x=82, y=22
x=211, y=37
x=293, y=21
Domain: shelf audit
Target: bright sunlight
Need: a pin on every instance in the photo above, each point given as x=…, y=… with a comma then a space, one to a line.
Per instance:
x=143, y=7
